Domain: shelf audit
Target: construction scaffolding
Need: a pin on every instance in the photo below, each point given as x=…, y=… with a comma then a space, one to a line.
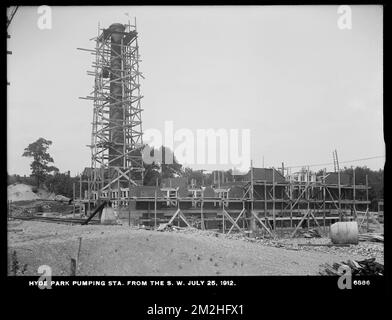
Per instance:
x=270, y=206
x=116, y=140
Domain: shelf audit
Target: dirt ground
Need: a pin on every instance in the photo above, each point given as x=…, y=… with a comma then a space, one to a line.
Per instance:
x=123, y=250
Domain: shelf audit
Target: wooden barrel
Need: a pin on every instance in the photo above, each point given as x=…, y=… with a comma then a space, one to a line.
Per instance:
x=344, y=232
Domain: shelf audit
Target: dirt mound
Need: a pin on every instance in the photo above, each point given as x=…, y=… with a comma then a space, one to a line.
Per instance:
x=24, y=192
x=122, y=250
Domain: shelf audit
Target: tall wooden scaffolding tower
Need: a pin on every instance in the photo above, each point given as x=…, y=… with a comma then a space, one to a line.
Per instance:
x=116, y=140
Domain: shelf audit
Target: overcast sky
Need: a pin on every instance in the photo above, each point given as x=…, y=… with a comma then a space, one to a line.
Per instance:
x=288, y=73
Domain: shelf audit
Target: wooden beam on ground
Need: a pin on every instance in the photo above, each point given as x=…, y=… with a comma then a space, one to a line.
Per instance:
x=73, y=267
x=203, y=227
x=78, y=255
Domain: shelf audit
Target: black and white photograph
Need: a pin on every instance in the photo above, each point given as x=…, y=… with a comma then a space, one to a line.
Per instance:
x=195, y=141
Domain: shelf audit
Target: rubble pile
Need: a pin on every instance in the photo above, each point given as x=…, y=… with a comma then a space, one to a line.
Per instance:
x=187, y=230
x=374, y=237
x=29, y=208
x=365, y=249
x=311, y=233
x=367, y=267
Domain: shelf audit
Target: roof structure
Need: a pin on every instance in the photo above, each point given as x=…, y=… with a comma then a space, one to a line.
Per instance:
x=88, y=172
x=145, y=191
x=174, y=182
x=332, y=178
x=263, y=174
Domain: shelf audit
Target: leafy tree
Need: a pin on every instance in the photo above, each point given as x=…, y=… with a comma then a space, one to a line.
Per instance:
x=197, y=175
x=205, y=179
x=375, y=182
x=40, y=167
x=61, y=183
x=151, y=174
x=15, y=178
x=169, y=170
x=161, y=170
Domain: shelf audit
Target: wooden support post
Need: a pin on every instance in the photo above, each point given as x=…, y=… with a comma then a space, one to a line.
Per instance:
x=203, y=227
x=261, y=222
x=367, y=204
x=179, y=211
x=234, y=223
x=182, y=217
x=103, y=180
x=265, y=199
x=118, y=196
x=324, y=174
x=291, y=205
x=308, y=194
x=363, y=218
x=354, y=196
x=155, y=204
x=314, y=218
x=73, y=190
x=88, y=195
x=300, y=223
x=223, y=217
x=244, y=222
x=237, y=219
x=80, y=188
x=174, y=216
x=339, y=197
x=281, y=210
x=252, y=219
x=129, y=199
x=78, y=254
x=178, y=214
x=307, y=220
x=273, y=198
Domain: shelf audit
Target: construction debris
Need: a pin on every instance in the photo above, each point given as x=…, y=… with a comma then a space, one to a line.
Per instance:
x=375, y=237
x=324, y=244
x=364, y=249
x=61, y=198
x=164, y=227
x=367, y=267
x=311, y=233
x=170, y=227
x=31, y=207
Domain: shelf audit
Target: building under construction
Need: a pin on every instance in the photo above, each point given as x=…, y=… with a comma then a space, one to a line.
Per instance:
x=262, y=200
x=116, y=140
